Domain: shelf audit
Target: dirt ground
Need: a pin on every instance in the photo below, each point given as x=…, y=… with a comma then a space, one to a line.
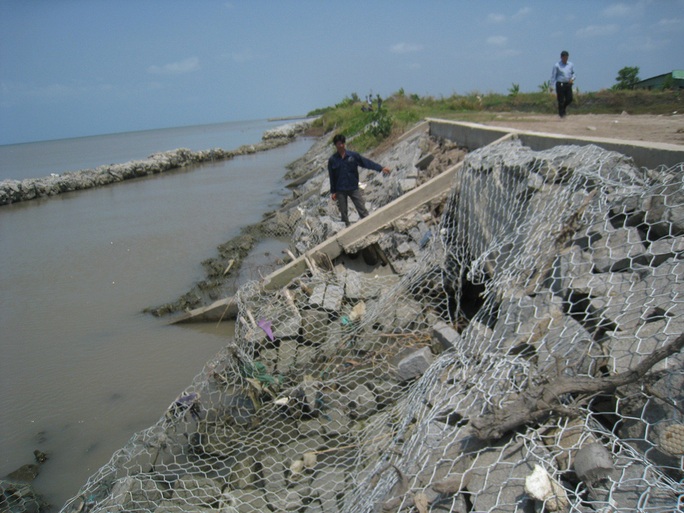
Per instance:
x=662, y=128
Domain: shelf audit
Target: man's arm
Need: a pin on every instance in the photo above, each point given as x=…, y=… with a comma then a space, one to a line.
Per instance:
x=369, y=164
x=333, y=179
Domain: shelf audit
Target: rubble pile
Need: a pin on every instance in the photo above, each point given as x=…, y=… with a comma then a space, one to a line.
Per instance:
x=309, y=217
x=514, y=347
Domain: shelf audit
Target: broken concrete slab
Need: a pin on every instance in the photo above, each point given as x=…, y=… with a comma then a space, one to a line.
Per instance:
x=447, y=336
x=413, y=363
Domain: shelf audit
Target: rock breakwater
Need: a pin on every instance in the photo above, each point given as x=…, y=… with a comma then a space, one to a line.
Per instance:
x=14, y=191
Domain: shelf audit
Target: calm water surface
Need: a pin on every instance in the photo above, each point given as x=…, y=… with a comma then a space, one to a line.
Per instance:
x=82, y=368
x=34, y=160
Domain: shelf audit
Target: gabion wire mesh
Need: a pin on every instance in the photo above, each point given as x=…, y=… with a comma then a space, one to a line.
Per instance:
x=526, y=358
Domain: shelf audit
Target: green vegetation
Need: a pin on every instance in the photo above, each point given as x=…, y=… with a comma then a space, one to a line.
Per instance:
x=544, y=86
x=401, y=110
x=627, y=78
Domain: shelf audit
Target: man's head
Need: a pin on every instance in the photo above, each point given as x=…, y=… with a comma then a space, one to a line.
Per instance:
x=339, y=141
x=564, y=56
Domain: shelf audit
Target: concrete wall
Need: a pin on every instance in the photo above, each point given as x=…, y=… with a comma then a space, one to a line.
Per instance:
x=473, y=136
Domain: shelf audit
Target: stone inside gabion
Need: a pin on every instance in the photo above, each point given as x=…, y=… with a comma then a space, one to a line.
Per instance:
x=672, y=439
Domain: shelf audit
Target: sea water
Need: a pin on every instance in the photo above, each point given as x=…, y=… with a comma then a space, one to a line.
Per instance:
x=81, y=367
x=35, y=160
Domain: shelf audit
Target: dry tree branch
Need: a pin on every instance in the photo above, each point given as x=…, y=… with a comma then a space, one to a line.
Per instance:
x=538, y=402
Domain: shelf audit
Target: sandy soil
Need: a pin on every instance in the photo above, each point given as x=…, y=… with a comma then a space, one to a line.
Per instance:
x=664, y=129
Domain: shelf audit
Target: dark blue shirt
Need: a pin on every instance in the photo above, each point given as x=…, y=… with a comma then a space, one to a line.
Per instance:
x=344, y=172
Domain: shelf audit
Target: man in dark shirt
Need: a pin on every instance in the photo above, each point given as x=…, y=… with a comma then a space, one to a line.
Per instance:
x=343, y=170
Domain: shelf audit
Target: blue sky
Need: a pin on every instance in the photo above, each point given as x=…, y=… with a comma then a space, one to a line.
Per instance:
x=71, y=68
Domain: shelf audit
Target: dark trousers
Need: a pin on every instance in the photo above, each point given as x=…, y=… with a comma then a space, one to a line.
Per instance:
x=357, y=198
x=564, y=95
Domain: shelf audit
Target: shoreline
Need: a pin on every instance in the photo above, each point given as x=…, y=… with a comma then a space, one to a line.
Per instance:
x=290, y=118
x=224, y=267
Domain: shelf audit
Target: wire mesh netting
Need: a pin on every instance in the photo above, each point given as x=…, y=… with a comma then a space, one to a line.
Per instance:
x=518, y=351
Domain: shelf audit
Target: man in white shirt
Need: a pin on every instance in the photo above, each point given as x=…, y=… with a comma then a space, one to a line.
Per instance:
x=563, y=75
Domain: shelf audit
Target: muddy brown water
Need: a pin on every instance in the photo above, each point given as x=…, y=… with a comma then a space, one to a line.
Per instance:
x=82, y=369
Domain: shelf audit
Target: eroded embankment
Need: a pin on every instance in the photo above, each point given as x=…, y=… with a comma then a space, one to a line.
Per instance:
x=308, y=217
x=523, y=354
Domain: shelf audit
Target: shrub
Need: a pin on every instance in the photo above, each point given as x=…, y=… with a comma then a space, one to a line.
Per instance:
x=381, y=123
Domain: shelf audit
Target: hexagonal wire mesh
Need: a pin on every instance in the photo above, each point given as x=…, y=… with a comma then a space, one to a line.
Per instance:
x=526, y=355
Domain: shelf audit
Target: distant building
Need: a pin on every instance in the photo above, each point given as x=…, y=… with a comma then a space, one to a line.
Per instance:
x=675, y=79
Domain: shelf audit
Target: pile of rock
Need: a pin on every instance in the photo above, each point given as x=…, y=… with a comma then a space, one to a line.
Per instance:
x=288, y=131
x=17, y=494
x=592, y=310
x=573, y=359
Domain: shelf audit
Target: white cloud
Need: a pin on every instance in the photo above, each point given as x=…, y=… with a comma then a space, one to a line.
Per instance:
x=617, y=11
x=406, y=48
x=670, y=23
x=243, y=56
x=175, y=68
x=501, y=18
x=497, y=40
x=522, y=13
x=597, y=30
x=643, y=44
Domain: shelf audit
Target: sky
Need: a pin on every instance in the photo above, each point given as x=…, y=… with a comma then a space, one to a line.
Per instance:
x=73, y=68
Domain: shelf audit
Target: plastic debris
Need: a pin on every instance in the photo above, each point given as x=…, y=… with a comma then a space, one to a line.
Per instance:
x=266, y=326
x=542, y=487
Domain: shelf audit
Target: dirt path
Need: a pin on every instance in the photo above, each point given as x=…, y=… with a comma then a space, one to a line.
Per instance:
x=664, y=129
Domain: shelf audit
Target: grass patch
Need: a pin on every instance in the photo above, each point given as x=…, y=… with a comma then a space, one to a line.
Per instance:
x=366, y=130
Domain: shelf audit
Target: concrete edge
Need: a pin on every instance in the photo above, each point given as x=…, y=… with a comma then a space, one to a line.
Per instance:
x=473, y=136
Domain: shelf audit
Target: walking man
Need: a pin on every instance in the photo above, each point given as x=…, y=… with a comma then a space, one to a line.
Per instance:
x=563, y=75
x=343, y=170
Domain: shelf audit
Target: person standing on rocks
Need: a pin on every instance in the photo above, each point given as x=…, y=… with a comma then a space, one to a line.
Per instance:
x=563, y=75
x=343, y=170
